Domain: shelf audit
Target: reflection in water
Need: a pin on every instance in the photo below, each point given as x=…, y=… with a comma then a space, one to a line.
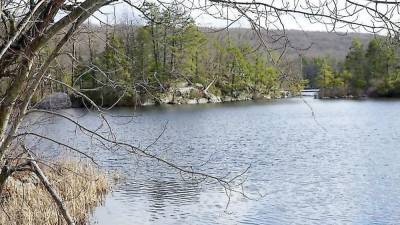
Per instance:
x=348, y=175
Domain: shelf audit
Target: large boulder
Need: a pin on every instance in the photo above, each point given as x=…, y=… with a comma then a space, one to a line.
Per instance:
x=191, y=101
x=202, y=100
x=58, y=100
x=184, y=91
x=188, y=92
x=244, y=97
x=212, y=98
x=178, y=100
x=215, y=99
x=257, y=96
x=166, y=98
x=198, y=86
x=227, y=99
x=285, y=94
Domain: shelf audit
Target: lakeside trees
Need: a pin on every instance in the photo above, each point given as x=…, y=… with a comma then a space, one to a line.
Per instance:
x=369, y=71
x=169, y=48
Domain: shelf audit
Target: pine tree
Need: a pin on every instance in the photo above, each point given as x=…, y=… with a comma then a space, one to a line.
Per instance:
x=381, y=60
x=326, y=77
x=114, y=70
x=355, y=65
x=263, y=78
x=190, y=53
x=142, y=55
x=113, y=61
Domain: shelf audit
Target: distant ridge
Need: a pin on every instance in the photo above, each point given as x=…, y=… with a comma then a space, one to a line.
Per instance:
x=306, y=43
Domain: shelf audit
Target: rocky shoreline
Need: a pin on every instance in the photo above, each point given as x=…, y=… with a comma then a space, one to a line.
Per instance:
x=185, y=93
x=178, y=94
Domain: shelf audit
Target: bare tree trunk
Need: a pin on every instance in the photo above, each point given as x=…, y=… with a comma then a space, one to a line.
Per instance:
x=7, y=106
x=155, y=47
x=165, y=46
x=91, y=60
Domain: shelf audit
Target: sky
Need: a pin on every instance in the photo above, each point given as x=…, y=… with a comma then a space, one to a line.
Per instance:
x=293, y=21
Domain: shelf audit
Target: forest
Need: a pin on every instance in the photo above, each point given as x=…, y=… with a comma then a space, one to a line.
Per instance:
x=128, y=63
x=147, y=63
x=142, y=63
x=371, y=70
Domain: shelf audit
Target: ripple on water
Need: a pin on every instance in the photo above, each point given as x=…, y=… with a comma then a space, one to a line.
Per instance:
x=347, y=175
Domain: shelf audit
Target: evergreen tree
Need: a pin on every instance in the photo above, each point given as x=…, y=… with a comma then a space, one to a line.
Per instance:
x=355, y=65
x=381, y=60
x=114, y=70
x=263, y=78
x=326, y=77
x=143, y=62
x=113, y=61
x=192, y=49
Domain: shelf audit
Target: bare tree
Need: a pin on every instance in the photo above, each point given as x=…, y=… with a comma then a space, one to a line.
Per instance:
x=28, y=28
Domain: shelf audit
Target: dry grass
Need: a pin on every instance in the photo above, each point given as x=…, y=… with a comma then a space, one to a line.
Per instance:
x=81, y=185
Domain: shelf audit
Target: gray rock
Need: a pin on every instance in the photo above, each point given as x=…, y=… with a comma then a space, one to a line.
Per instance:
x=227, y=99
x=177, y=100
x=215, y=99
x=244, y=97
x=167, y=99
x=212, y=98
x=202, y=100
x=191, y=101
x=185, y=91
x=199, y=86
x=284, y=94
x=56, y=100
x=257, y=96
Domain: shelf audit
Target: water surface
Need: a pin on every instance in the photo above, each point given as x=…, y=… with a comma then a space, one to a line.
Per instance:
x=341, y=167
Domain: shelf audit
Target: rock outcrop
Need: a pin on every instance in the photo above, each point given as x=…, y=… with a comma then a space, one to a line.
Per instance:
x=212, y=98
x=185, y=93
x=202, y=100
x=58, y=100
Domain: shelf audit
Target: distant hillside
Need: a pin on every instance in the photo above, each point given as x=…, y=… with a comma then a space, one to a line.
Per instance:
x=306, y=43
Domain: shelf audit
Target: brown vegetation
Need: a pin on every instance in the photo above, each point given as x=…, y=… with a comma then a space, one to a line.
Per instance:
x=26, y=201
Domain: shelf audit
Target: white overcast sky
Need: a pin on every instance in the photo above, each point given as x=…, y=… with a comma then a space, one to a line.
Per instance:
x=297, y=22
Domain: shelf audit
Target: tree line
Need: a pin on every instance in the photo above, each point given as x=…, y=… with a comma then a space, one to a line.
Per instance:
x=370, y=71
x=147, y=60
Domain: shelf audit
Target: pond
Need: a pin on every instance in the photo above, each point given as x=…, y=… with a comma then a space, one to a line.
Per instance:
x=340, y=166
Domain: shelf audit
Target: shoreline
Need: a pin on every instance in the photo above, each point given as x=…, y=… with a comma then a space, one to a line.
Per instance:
x=59, y=100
